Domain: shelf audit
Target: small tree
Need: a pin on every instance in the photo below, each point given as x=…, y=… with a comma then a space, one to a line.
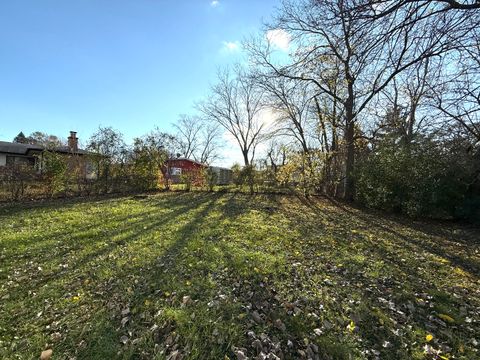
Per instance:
x=108, y=147
x=210, y=177
x=20, y=138
x=54, y=172
x=151, y=154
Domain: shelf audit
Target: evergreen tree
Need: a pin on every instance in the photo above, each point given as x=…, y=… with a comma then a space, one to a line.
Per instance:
x=21, y=138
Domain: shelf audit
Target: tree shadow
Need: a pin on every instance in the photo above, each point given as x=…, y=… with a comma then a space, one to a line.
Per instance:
x=196, y=286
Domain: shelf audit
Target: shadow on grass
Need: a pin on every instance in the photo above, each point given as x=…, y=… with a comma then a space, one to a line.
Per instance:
x=162, y=282
x=457, y=249
x=195, y=287
x=402, y=277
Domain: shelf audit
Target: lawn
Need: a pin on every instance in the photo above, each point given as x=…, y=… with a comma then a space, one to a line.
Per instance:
x=227, y=276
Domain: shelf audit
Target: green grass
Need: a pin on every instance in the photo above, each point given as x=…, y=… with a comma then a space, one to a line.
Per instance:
x=141, y=278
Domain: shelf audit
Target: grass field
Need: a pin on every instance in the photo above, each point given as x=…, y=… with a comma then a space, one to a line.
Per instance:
x=217, y=276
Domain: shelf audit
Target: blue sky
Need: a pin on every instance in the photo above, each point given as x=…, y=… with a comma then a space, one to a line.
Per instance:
x=130, y=64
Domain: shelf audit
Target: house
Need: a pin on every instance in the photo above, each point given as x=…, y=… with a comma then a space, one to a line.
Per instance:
x=32, y=155
x=177, y=169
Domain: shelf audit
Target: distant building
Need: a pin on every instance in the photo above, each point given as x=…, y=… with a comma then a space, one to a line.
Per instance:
x=177, y=169
x=12, y=154
x=224, y=176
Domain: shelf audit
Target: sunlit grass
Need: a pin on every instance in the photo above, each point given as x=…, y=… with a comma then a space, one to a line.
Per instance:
x=137, y=277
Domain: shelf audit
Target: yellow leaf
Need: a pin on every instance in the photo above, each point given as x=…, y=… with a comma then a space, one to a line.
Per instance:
x=429, y=337
x=351, y=327
x=147, y=302
x=76, y=298
x=446, y=318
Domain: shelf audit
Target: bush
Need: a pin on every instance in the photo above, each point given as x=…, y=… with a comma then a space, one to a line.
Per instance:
x=303, y=171
x=54, y=169
x=418, y=179
x=15, y=180
x=210, y=178
x=244, y=176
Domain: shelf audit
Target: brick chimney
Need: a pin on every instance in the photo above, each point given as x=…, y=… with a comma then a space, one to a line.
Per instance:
x=73, y=141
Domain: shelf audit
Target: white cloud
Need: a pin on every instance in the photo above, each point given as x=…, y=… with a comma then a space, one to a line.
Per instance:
x=215, y=3
x=279, y=38
x=231, y=46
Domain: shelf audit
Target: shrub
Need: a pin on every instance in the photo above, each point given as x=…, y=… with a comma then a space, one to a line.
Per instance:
x=210, y=177
x=15, y=180
x=54, y=170
x=418, y=179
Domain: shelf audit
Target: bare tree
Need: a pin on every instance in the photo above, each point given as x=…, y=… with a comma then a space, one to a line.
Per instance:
x=403, y=109
x=208, y=149
x=197, y=138
x=188, y=129
x=458, y=99
x=276, y=155
x=291, y=101
x=235, y=104
x=331, y=37
x=376, y=9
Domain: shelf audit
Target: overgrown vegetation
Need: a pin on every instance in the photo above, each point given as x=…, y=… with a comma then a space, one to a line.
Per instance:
x=210, y=275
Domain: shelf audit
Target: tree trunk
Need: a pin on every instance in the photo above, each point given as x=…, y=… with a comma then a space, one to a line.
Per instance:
x=349, y=140
x=245, y=158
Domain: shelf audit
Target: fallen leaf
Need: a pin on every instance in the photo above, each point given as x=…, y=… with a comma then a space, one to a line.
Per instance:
x=47, y=354
x=351, y=327
x=446, y=318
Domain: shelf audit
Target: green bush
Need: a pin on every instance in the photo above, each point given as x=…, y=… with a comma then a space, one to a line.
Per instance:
x=54, y=170
x=210, y=178
x=421, y=179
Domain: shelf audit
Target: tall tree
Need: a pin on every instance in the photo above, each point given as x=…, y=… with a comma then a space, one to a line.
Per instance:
x=208, y=150
x=235, y=104
x=291, y=102
x=331, y=36
x=188, y=130
x=197, y=138
x=43, y=139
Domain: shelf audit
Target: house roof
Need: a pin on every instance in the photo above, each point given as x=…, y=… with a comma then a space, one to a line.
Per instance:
x=16, y=148
x=24, y=149
x=185, y=159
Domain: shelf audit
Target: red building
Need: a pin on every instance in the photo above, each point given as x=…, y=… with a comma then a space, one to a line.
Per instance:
x=179, y=170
